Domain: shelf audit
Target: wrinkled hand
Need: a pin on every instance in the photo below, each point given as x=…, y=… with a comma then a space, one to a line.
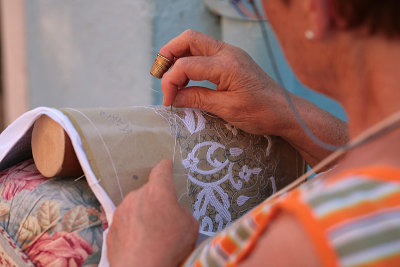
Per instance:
x=149, y=227
x=245, y=97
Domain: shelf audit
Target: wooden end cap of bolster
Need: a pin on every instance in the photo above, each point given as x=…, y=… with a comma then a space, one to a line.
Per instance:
x=52, y=150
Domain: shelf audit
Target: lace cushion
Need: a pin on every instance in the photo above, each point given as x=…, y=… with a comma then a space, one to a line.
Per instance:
x=220, y=172
x=54, y=221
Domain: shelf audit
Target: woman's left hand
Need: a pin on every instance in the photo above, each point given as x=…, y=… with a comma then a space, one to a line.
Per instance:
x=149, y=227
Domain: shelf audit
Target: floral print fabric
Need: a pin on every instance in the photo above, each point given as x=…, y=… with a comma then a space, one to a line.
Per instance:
x=56, y=222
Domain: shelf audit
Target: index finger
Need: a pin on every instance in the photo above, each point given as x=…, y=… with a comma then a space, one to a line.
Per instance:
x=191, y=43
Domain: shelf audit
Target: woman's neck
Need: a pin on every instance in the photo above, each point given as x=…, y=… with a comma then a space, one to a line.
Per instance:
x=371, y=93
x=371, y=84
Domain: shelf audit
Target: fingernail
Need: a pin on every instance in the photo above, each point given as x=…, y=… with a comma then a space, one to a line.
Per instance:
x=179, y=101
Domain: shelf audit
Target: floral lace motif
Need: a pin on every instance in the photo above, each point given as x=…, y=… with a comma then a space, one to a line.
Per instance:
x=229, y=171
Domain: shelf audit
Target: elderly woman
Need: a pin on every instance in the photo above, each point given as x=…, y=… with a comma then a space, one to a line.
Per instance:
x=346, y=49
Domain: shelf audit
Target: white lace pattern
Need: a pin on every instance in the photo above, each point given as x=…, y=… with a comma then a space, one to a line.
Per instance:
x=228, y=170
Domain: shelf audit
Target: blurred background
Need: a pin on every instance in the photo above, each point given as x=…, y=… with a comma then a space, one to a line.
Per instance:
x=88, y=53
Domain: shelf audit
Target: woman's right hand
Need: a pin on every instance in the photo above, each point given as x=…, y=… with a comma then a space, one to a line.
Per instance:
x=246, y=96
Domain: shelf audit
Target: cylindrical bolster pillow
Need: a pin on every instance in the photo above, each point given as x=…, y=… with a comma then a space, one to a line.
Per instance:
x=52, y=150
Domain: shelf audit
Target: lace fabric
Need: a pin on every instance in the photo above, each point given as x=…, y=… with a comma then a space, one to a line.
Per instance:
x=229, y=171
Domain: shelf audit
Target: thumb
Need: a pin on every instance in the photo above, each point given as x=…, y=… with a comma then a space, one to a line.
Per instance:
x=161, y=175
x=200, y=98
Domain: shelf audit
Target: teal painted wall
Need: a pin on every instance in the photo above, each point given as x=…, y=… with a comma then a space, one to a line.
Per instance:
x=174, y=16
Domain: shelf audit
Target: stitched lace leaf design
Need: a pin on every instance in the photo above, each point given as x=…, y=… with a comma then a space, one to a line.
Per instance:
x=229, y=171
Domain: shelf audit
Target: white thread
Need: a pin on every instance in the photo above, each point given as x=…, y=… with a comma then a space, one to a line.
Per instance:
x=191, y=162
x=80, y=177
x=220, y=221
x=241, y=200
x=176, y=137
x=272, y=179
x=198, y=141
x=190, y=122
x=181, y=196
x=222, y=208
x=215, y=163
x=154, y=90
x=213, y=145
x=235, y=151
x=268, y=151
x=206, y=222
x=209, y=198
x=246, y=172
x=105, y=146
x=212, y=184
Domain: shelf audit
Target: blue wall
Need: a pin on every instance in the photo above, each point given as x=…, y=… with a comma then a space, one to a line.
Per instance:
x=174, y=16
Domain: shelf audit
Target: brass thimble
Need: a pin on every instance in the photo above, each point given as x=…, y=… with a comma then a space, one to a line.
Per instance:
x=160, y=66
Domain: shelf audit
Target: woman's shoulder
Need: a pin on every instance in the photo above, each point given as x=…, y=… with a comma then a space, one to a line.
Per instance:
x=355, y=195
x=358, y=212
x=345, y=216
x=350, y=188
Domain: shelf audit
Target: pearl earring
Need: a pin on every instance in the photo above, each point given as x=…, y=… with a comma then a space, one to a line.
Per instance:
x=309, y=34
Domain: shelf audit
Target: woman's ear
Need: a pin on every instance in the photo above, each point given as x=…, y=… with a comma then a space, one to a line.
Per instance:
x=317, y=17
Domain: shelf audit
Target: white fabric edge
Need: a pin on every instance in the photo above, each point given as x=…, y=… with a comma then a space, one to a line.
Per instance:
x=98, y=191
x=104, y=258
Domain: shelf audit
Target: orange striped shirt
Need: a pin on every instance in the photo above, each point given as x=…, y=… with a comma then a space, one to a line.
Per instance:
x=352, y=220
